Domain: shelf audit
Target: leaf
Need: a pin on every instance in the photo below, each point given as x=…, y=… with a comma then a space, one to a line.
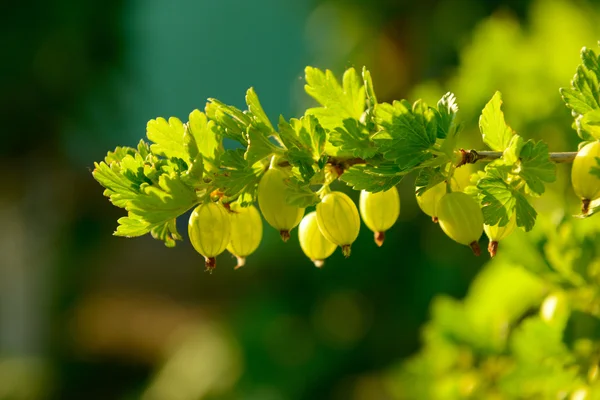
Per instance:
x=353, y=138
x=167, y=138
x=202, y=136
x=299, y=194
x=260, y=119
x=494, y=130
x=232, y=121
x=590, y=124
x=535, y=166
x=167, y=232
x=371, y=178
x=122, y=180
x=500, y=200
x=446, y=115
x=305, y=140
x=259, y=146
x=237, y=177
x=369, y=90
x=156, y=205
x=428, y=178
x=338, y=102
x=408, y=132
x=584, y=94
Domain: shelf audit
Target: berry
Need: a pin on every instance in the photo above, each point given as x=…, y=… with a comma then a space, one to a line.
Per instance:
x=460, y=218
x=246, y=233
x=338, y=220
x=209, y=229
x=586, y=184
x=380, y=211
x=271, y=200
x=497, y=233
x=313, y=243
x=429, y=200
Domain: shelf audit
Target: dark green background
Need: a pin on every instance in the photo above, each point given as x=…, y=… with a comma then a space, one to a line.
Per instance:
x=86, y=315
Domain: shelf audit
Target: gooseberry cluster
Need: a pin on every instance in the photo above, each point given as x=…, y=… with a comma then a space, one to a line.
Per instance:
x=214, y=227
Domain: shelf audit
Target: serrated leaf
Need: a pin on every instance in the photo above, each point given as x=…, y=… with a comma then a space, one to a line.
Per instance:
x=353, y=138
x=535, y=166
x=237, y=177
x=259, y=146
x=494, y=130
x=428, y=178
x=371, y=178
x=511, y=154
x=339, y=102
x=305, y=140
x=202, y=137
x=232, y=121
x=167, y=137
x=590, y=123
x=584, y=94
x=408, y=132
x=299, y=194
x=121, y=180
x=447, y=108
x=157, y=204
x=500, y=200
x=261, y=121
x=167, y=233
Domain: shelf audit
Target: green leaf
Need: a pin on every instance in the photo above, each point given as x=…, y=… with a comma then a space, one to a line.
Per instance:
x=500, y=200
x=232, y=121
x=260, y=119
x=167, y=232
x=202, y=137
x=428, y=178
x=259, y=146
x=167, y=138
x=446, y=115
x=584, y=94
x=590, y=124
x=305, y=140
x=369, y=90
x=299, y=194
x=494, y=130
x=536, y=167
x=121, y=180
x=339, y=102
x=157, y=204
x=237, y=177
x=409, y=132
x=353, y=138
x=372, y=178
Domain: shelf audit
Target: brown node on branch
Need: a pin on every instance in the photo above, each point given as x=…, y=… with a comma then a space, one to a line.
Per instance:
x=210, y=264
x=493, y=248
x=475, y=247
x=285, y=235
x=346, y=250
x=379, y=238
x=467, y=157
x=585, y=206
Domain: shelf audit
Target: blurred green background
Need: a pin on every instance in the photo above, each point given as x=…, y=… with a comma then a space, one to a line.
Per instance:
x=85, y=315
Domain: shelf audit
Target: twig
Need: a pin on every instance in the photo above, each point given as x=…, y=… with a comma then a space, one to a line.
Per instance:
x=473, y=156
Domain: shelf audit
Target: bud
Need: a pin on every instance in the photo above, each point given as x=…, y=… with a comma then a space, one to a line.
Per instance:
x=271, y=200
x=338, y=220
x=460, y=218
x=313, y=243
x=380, y=211
x=246, y=233
x=209, y=229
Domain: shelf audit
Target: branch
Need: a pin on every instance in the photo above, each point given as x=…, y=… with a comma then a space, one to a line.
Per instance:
x=473, y=156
